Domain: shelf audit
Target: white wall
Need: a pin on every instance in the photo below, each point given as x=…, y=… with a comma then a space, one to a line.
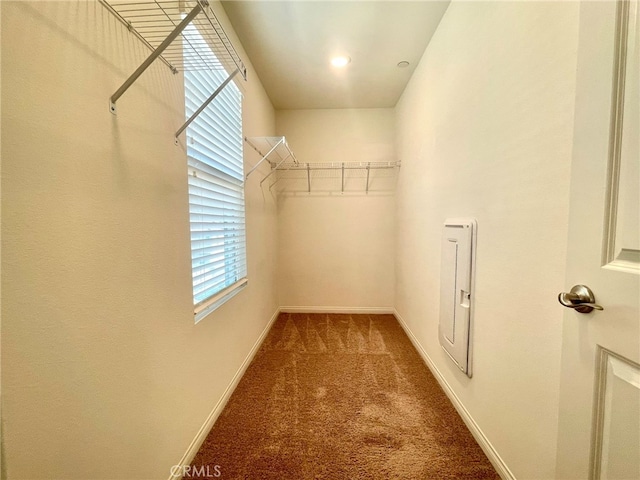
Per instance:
x=485, y=130
x=337, y=250
x=105, y=374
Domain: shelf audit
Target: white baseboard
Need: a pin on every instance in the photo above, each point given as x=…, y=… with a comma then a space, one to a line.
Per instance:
x=378, y=310
x=474, y=428
x=217, y=410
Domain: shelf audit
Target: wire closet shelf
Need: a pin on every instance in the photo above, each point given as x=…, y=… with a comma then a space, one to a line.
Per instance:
x=204, y=44
x=340, y=177
x=274, y=150
x=287, y=175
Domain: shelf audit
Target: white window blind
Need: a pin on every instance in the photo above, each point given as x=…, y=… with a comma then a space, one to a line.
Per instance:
x=216, y=190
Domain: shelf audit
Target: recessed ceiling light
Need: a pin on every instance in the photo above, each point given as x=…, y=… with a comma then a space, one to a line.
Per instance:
x=340, y=61
x=403, y=64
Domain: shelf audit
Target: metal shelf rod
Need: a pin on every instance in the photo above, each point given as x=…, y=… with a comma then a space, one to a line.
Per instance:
x=207, y=102
x=155, y=54
x=253, y=146
x=368, y=171
x=340, y=167
x=264, y=157
x=275, y=169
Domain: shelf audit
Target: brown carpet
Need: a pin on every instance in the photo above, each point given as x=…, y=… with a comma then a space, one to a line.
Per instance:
x=340, y=397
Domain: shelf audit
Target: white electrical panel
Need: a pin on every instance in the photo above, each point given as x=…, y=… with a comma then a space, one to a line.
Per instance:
x=456, y=290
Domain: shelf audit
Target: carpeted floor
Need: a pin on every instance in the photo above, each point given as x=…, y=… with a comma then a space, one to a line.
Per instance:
x=340, y=397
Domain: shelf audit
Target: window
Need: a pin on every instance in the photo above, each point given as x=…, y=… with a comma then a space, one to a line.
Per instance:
x=216, y=190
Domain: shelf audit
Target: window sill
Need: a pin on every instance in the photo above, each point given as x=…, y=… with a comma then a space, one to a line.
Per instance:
x=219, y=299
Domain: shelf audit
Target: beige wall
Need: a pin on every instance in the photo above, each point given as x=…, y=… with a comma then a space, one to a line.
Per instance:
x=3, y=474
x=485, y=130
x=337, y=250
x=104, y=373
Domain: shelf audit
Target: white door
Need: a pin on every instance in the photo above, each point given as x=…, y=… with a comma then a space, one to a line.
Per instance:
x=599, y=416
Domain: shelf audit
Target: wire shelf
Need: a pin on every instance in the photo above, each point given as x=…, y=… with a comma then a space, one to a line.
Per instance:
x=274, y=150
x=204, y=45
x=342, y=177
x=335, y=168
x=287, y=175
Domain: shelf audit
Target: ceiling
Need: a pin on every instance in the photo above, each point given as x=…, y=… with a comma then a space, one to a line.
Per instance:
x=290, y=44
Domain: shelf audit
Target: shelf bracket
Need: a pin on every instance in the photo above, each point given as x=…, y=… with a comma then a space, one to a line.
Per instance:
x=207, y=102
x=368, y=170
x=275, y=169
x=155, y=54
x=264, y=157
x=342, y=177
x=308, y=179
x=253, y=146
